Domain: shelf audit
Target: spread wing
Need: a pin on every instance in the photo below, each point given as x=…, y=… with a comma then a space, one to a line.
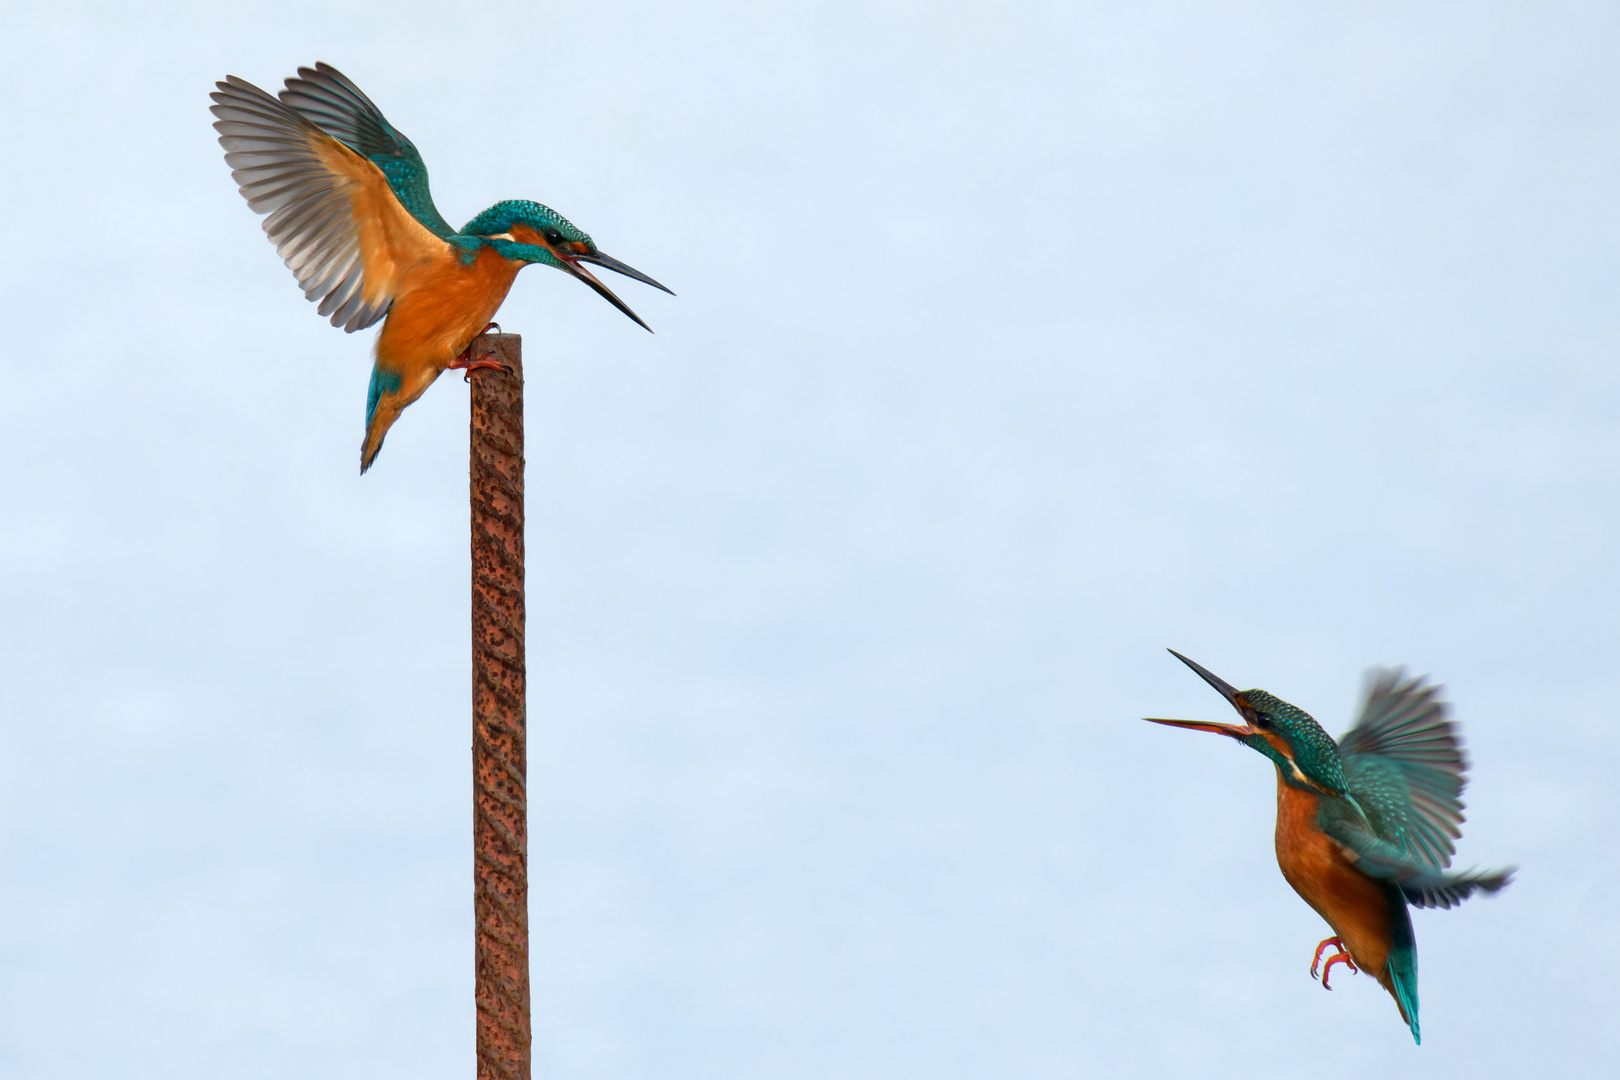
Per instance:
x=333, y=216
x=1422, y=884
x=1405, y=766
x=341, y=109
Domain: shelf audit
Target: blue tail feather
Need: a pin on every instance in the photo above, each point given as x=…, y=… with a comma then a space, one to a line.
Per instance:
x=1402, y=963
x=383, y=381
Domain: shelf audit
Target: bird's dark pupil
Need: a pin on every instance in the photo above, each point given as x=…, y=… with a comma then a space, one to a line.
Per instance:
x=1262, y=720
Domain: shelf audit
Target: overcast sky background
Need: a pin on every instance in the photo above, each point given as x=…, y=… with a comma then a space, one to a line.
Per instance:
x=1014, y=343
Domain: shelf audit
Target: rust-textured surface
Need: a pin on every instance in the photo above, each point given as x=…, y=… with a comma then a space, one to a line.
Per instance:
x=500, y=814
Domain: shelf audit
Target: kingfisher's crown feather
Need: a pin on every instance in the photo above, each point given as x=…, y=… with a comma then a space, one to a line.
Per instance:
x=541, y=218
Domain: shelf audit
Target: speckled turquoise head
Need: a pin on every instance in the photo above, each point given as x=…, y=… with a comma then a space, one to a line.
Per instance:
x=550, y=228
x=1305, y=755
x=530, y=232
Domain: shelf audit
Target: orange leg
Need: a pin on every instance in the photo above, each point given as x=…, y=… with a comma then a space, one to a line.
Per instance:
x=1340, y=956
x=466, y=363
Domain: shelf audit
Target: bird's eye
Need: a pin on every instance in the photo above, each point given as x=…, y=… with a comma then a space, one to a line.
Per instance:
x=554, y=236
x=1262, y=721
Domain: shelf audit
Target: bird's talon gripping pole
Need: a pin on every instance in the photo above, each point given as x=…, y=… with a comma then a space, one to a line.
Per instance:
x=480, y=365
x=465, y=361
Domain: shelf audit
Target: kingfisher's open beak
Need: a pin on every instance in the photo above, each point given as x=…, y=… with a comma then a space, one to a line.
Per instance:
x=571, y=261
x=1229, y=692
x=610, y=263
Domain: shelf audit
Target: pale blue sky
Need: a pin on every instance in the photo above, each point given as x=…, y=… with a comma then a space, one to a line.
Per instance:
x=1014, y=343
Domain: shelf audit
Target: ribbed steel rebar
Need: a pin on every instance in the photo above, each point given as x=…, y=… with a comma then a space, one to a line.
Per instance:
x=500, y=817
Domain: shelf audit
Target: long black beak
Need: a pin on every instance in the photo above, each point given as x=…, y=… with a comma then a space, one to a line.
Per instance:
x=1227, y=691
x=571, y=263
x=610, y=263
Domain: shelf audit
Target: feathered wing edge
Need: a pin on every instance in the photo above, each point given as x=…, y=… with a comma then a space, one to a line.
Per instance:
x=1431, y=890
x=326, y=96
x=330, y=99
x=1421, y=884
x=1404, y=723
x=272, y=153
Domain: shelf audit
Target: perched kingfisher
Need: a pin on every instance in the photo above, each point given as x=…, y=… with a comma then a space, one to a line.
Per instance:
x=1365, y=825
x=351, y=215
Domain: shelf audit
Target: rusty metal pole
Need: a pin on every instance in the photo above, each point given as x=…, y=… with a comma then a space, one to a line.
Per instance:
x=500, y=813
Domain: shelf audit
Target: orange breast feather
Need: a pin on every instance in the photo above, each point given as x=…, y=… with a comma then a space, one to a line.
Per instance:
x=1352, y=903
x=444, y=306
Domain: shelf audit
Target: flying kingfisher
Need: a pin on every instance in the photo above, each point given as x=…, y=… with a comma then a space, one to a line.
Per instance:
x=1365, y=825
x=351, y=215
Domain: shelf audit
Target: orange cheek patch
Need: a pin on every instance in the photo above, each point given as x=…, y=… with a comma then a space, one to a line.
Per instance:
x=525, y=234
x=1277, y=743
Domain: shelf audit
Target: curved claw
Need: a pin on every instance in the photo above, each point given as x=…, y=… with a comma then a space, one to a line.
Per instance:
x=466, y=363
x=1336, y=958
x=1341, y=955
x=1321, y=948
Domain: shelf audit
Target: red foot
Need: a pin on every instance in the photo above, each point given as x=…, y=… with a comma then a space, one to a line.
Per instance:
x=1340, y=956
x=466, y=363
x=1322, y=948
x=1336, y=958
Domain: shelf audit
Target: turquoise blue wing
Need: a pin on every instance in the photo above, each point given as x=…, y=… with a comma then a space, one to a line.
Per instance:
x=1405, y=766
x=1422, y=884
x=325, y=96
